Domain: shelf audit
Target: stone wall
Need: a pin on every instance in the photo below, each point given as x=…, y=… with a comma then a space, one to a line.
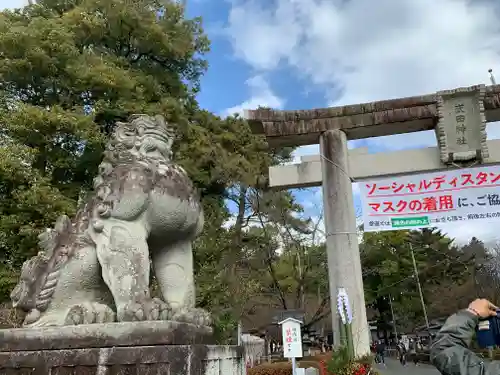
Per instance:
x=140, y=360
x=142, y=348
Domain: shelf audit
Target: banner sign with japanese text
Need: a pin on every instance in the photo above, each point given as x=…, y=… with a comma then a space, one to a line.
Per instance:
x=426, y=200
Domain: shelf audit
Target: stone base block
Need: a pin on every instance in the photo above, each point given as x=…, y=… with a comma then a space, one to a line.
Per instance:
x=138, y=360
x=104, y=335
x=144, y=348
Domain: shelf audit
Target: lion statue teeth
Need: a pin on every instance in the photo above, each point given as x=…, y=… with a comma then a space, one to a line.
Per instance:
x=143, y=216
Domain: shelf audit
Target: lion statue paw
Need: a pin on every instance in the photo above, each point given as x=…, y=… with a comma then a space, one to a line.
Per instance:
x=194, y=316
x=147, y=309
x=89, y=313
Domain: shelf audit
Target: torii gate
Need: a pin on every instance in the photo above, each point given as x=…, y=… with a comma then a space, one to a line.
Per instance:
x=459, y=117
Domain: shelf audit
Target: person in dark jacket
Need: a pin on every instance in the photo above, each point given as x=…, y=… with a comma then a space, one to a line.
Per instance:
x=450, y=351
x=401, y=348
x=380, y=350
x=414, y=351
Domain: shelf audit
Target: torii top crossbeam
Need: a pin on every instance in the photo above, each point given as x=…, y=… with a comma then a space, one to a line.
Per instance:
x=385, y=117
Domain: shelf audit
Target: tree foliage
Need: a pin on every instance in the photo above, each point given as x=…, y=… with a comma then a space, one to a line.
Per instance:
x=68, y=71
x=450, y=276
x=290, y=266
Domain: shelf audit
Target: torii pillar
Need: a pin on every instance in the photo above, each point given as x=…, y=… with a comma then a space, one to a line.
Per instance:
x=332, y=126
x=344, y=263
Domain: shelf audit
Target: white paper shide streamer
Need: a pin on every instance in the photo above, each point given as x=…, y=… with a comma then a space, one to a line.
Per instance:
x=343, y=306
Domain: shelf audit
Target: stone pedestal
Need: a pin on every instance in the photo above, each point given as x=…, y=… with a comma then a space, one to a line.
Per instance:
x=142, y=348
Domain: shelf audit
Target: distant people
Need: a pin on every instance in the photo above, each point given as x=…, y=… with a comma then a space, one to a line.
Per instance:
x=401, y=348
x=419, y=344
x=380, y=352
x=414, y=351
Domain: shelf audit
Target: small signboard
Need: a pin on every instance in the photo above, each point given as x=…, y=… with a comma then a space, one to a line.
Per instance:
x=292, y=339
x=417, y=201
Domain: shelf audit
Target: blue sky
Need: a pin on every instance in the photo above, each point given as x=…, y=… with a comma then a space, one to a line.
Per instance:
x=226, y=83
x=299, y=54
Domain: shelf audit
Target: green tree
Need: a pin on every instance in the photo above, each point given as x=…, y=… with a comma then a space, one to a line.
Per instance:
x=234, y=179
x=474, y=277
x=27, y=202
x=288, y=262
x=68, y=71
x=485, y=275
x=389, y=272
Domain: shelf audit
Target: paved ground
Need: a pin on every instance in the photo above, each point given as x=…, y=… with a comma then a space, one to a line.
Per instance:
x=395, y=368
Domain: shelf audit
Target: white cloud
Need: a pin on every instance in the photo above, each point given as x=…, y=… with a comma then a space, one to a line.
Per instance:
x=402, y=48
x=364, y=50
x=263, y=36
x=4, y=4
x=260, y=95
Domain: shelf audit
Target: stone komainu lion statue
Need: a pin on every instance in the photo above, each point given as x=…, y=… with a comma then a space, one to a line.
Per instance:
x=96, y=268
